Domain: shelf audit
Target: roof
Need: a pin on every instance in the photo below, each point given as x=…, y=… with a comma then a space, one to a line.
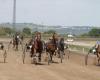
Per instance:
x=70, y=35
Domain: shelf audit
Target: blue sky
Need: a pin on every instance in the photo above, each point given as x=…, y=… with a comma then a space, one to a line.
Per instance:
x=53, y=12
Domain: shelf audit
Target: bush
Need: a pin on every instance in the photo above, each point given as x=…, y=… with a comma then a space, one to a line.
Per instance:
x=5, y=31
x=94, y=32
x=50, y=32
x=27, y=31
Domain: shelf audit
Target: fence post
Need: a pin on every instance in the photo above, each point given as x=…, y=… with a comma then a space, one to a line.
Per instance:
x=83, y=50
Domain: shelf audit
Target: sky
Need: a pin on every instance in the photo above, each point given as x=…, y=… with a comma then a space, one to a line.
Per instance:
x=52, y=12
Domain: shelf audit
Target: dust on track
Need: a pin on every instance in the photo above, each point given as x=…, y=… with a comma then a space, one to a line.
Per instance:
x=72, y=69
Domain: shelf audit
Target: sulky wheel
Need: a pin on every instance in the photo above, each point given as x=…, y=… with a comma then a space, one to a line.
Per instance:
x=61, y=56
x=49, y=58
x=5, y=55
x=86, y=58
x=23, y=55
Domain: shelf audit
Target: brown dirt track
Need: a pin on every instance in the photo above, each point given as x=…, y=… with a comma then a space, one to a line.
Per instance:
x=72, y=69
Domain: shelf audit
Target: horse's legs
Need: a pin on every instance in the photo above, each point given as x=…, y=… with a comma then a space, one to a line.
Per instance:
x=55, y=53
x=98, y=56
x=51, y=55
x=17, y=47
x=98, y=61
x=31, y=53
x=39, y=57
x=58, y=53
x=13, y=45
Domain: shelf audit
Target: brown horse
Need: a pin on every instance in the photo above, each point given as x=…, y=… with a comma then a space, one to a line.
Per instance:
x=95, y=51
x=50, y=49
x=98, y=53
x=35, y=47
x=38, y=46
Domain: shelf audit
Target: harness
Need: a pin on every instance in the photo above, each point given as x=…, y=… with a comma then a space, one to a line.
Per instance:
x=38, y=45
x=98, y=48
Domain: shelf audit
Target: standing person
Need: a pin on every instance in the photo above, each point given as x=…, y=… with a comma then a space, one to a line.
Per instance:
x=97, y=43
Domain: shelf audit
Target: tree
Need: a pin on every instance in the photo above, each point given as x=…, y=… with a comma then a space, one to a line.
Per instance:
x=84, y=35
x=50, y=32
x=5, y=31
x=94, y=32
x=8, y=30
x=2, y=32
x=27, y=31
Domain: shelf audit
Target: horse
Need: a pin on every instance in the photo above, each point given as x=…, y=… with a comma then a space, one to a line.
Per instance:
x=4, y=51
x=51, y=47
x=61, y=48
x=15, y=42
x=29, y=45
x=96, y=51
x=38, y=45
x=35, y=48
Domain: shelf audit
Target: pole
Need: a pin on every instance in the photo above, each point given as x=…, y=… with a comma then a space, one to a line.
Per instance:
x=42, y=27
x=14, y=16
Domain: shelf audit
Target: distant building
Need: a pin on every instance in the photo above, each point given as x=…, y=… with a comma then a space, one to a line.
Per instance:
x=70, y=38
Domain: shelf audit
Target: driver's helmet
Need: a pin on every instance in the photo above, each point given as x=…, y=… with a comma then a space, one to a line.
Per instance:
x=98, y=42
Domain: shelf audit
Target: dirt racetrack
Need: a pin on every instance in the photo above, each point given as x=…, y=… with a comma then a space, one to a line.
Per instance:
x=72, y=69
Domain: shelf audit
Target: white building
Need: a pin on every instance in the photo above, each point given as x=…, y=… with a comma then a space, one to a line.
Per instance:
x=70, y=38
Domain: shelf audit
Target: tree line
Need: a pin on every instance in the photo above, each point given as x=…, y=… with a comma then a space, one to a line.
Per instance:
x=7, y=31
x=95, y=33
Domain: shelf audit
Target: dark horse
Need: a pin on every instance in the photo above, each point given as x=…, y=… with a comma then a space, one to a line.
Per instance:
x=61, y=45
x=15, y=42
x=96, y=51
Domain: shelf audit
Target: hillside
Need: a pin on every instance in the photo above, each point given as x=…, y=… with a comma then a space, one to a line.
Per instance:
x=60, y=29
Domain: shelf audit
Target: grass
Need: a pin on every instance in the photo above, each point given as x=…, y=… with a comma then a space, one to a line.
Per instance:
x=79, y=48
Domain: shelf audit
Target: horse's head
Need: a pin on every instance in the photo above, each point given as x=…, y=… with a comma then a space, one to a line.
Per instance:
x=92, y=50
x=1, y=46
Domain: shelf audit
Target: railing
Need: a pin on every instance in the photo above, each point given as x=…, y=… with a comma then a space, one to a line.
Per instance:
x=78, y=48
